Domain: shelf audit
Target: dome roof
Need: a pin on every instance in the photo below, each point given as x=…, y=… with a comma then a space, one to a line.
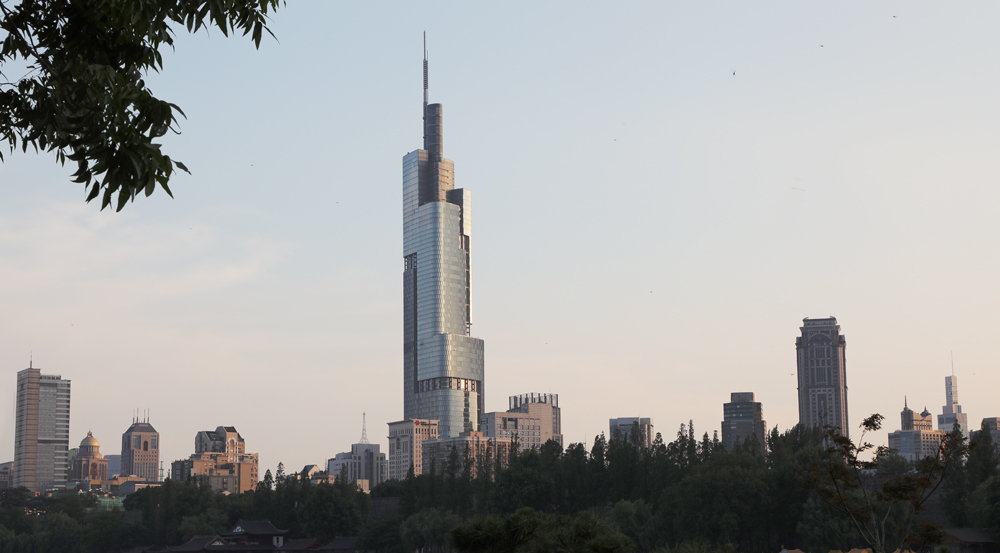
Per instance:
x=90, y=441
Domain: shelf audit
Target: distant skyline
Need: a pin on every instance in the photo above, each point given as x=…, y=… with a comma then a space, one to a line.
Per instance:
x=651, y=229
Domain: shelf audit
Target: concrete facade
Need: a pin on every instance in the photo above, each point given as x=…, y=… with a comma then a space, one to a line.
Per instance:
x=520, y=403
x=88, y=463
x=916, y=439
x=406, y=440
x=951, y=412
x=743, y=418
x=530, y=427
x=221, y=461
x=822, y=374
x=473, y=449
x=622, y=426
x=364, y=461
x=41, y=431
x=141, y=451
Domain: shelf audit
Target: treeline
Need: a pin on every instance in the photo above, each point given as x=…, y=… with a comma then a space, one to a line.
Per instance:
x=689, y=490
x=690, y=493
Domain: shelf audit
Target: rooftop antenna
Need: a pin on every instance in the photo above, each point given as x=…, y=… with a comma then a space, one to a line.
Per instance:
x=905, y=406
x=952, y=362
x=364, y=429
x=425, y=68
x=31, y=356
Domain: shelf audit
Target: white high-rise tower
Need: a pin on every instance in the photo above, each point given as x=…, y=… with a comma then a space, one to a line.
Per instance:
x=952, y=411
x=442, y=362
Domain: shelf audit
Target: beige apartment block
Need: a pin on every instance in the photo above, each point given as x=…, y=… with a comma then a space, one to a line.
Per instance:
x=531, y=425
x=220, y=460
x=406, y=438
x=474, y=447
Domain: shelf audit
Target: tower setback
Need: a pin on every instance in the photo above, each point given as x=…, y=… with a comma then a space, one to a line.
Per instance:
x=822, y=378
x=442, y=362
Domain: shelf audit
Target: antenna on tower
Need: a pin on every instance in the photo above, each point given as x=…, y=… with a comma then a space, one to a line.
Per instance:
x=364, y=429
x=425, y=68
x=952, y=362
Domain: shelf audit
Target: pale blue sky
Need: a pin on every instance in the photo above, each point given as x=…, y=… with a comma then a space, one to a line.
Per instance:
x=649, y=229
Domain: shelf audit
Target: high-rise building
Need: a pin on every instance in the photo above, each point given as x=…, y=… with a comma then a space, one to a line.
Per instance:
x=406, y=439
x=743, y=418
x=519, y=404
x=114, y=465
x=442, y=362
x=141, y=451
x=219, y=460
x=822, y=382
x=916, y=438
x=992, y=425
x=623, y=426
x=364, y=461
x=951, y=412
x=41, y=431
x=88, y=463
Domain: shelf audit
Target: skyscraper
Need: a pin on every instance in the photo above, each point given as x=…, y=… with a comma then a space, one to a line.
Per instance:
x=623, y=426
x=442, y=362
x=141, y=451
x=820, y=352
x=952, y=411
x=41, y=431
x=743, y=418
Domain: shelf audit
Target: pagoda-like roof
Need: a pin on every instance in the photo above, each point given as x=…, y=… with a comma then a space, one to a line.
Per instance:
x=253, y=528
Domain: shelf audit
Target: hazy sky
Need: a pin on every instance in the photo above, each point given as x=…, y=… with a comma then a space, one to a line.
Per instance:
x=650, y=228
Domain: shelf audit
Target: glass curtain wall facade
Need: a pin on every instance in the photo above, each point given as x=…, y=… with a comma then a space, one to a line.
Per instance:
x=822, y=374
x=442, y=362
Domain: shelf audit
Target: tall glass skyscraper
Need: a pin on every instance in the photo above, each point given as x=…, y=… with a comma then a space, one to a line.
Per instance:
x=41, y=431
x=442, y=362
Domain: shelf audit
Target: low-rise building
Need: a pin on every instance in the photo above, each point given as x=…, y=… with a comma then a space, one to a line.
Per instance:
x=406, y=438
x=220, y=460
x=6, y=473
x=530, y=426
x=88, y=463
x=473, y=448
x=520, y=403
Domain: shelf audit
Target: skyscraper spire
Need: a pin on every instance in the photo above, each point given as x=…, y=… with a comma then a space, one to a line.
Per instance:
x=425, y=68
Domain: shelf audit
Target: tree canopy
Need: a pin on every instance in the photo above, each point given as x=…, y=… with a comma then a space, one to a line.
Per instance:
x=84, y=96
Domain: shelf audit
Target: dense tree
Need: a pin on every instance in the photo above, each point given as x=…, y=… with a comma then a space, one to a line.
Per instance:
x=84, y=97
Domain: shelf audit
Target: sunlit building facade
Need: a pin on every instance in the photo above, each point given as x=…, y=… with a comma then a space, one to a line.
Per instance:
x=442, y=362
x=822, y=374
x=41, y=431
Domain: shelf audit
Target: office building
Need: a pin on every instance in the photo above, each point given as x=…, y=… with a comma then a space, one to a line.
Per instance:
x=442, y=362
x=41, y=431
x=530, y=426
x=114, y=465
x=951, y=412
x=622, y=427
x=141, y=451
x=406, y=440
x=743, y=420
x=992, y=425
x=916, y=439
x=6, y=473
x=519, y=404
x=219, y=460
x=88, y=463
x=364, y=461
x=822, y=378
x=474, y=450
